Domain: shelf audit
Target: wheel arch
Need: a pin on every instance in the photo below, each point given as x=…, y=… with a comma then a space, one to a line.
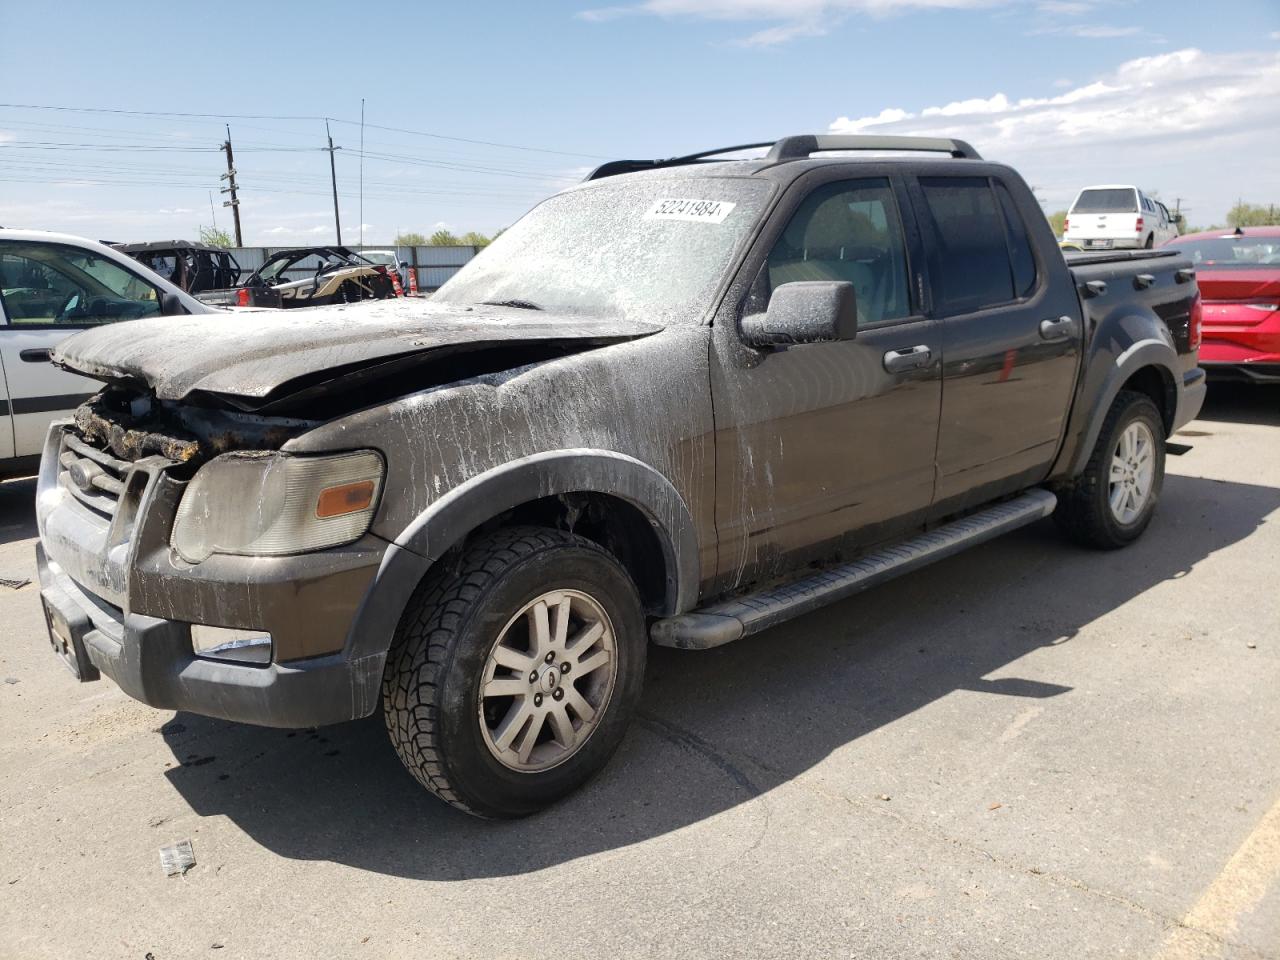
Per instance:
x=1146, y=366
x=603, y=495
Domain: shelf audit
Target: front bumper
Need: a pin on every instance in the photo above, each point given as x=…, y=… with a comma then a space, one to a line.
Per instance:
x=151, y=659
x=113, y=584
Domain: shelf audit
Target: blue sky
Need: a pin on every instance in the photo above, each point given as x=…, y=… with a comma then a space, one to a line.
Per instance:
x=1169, y=95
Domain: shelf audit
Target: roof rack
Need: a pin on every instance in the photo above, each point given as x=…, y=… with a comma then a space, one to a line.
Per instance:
x=794, y=148
x=797, y=148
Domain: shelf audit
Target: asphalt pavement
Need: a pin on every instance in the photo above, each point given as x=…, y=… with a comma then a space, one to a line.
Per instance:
x=1028, y=750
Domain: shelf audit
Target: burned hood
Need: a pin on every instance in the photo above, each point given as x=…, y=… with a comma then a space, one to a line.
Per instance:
x=259, y=355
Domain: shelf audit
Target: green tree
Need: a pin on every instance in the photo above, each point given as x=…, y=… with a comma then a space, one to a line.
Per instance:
x=473, y=239
x=410, y=238
x=215, y=237
x=1056, y=220
x=1253, y=215
x=443, y=238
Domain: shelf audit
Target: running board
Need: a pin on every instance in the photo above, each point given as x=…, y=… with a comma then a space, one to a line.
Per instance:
x=739, y=617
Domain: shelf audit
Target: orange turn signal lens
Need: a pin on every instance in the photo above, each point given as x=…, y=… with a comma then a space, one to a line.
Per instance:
x=346, y=498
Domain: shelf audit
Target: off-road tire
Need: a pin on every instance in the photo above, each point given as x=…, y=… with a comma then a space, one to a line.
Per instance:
x=1084, y=511
x=433, y=672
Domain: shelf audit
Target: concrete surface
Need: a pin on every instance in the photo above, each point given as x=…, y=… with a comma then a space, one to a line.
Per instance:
x=1029, y=750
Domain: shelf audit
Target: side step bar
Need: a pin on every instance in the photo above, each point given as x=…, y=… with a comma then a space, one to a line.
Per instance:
x=742, y=616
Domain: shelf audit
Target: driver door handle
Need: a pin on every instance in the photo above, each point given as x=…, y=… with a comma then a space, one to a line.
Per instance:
x=909, y=358
x=1056, y=329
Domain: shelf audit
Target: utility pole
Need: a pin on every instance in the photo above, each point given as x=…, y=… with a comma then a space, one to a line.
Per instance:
x=333, y=177
x=230, y=177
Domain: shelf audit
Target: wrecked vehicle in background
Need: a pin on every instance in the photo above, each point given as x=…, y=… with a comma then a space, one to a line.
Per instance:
x=679, y=403
x=329, y=275
x=193, y=267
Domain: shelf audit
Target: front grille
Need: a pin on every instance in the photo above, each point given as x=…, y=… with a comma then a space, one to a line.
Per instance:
x=91, y=475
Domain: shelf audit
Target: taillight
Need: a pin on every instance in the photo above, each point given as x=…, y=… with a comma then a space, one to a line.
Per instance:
x=1193, y=325
x=242, y=297
x=1138, y=228
x=1066, y=224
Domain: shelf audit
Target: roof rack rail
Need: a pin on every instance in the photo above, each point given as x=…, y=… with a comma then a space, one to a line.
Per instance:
x=796, y=148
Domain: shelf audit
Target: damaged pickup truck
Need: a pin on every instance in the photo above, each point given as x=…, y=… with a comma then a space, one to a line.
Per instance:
x=678, y=403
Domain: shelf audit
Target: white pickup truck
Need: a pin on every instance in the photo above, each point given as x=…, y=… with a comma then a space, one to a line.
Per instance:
x=1118, y=216
x=51, y=286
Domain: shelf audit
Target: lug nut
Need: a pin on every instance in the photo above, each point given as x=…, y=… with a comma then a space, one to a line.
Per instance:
x=559, y=694
x=533, y=677
x=564, y=667
x=550, y=657
x=537, y=699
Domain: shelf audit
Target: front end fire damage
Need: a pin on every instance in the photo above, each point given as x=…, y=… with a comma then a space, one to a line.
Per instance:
x=147, y=572
x=253, y=638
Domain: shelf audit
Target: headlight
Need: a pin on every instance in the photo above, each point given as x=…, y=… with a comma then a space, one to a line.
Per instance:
x=269, y=505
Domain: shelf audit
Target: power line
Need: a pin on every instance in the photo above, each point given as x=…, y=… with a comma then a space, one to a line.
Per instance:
x=301, y=117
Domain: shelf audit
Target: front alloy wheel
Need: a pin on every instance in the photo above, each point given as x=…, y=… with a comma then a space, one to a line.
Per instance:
x=547, y=680
x=515, y=670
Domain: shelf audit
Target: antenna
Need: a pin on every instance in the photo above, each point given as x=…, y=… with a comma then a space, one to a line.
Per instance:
x=362, y=173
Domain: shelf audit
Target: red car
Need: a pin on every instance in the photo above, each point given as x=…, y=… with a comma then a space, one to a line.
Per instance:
x=1239, y=277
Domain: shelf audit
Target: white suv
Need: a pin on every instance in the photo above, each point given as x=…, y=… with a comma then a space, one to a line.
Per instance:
x=51, y=286
x=1112, y=216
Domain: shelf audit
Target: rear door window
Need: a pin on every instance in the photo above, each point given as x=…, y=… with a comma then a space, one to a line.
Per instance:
x=1021, y=256
x=969, y=264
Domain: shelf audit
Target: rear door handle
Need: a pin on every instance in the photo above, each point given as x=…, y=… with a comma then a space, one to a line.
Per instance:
x=38, y=355
x=1056, y=329
x=910, y=358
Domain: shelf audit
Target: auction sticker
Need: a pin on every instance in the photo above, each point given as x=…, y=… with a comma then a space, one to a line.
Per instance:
x=700, y=211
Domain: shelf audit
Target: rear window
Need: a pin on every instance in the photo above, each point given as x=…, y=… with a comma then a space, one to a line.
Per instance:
x=1231, y=251
x=970, y=267
x=1109, y=200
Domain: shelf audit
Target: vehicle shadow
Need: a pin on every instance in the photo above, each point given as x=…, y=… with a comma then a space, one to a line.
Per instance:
x=719, y=727
x=1239, y=403
x=17, y=510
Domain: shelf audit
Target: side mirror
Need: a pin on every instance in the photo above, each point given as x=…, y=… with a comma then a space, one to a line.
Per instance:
x=404, y=264
x=804, y=311
x=171, y=305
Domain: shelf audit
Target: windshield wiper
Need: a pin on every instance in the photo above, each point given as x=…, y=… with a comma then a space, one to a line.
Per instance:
x=518, y=304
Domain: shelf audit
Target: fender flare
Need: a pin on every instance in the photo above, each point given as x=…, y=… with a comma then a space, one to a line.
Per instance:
x=448, y=520
x=1150, y=352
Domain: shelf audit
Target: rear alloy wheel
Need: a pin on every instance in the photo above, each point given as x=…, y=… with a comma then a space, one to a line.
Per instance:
x=1112, y=501
x=515, y=671
x=1132, y=473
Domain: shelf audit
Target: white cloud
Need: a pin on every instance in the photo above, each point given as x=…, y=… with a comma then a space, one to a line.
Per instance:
x=1202, y=125
x=887, y=115
x=1064, y=8
x=790, y=18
